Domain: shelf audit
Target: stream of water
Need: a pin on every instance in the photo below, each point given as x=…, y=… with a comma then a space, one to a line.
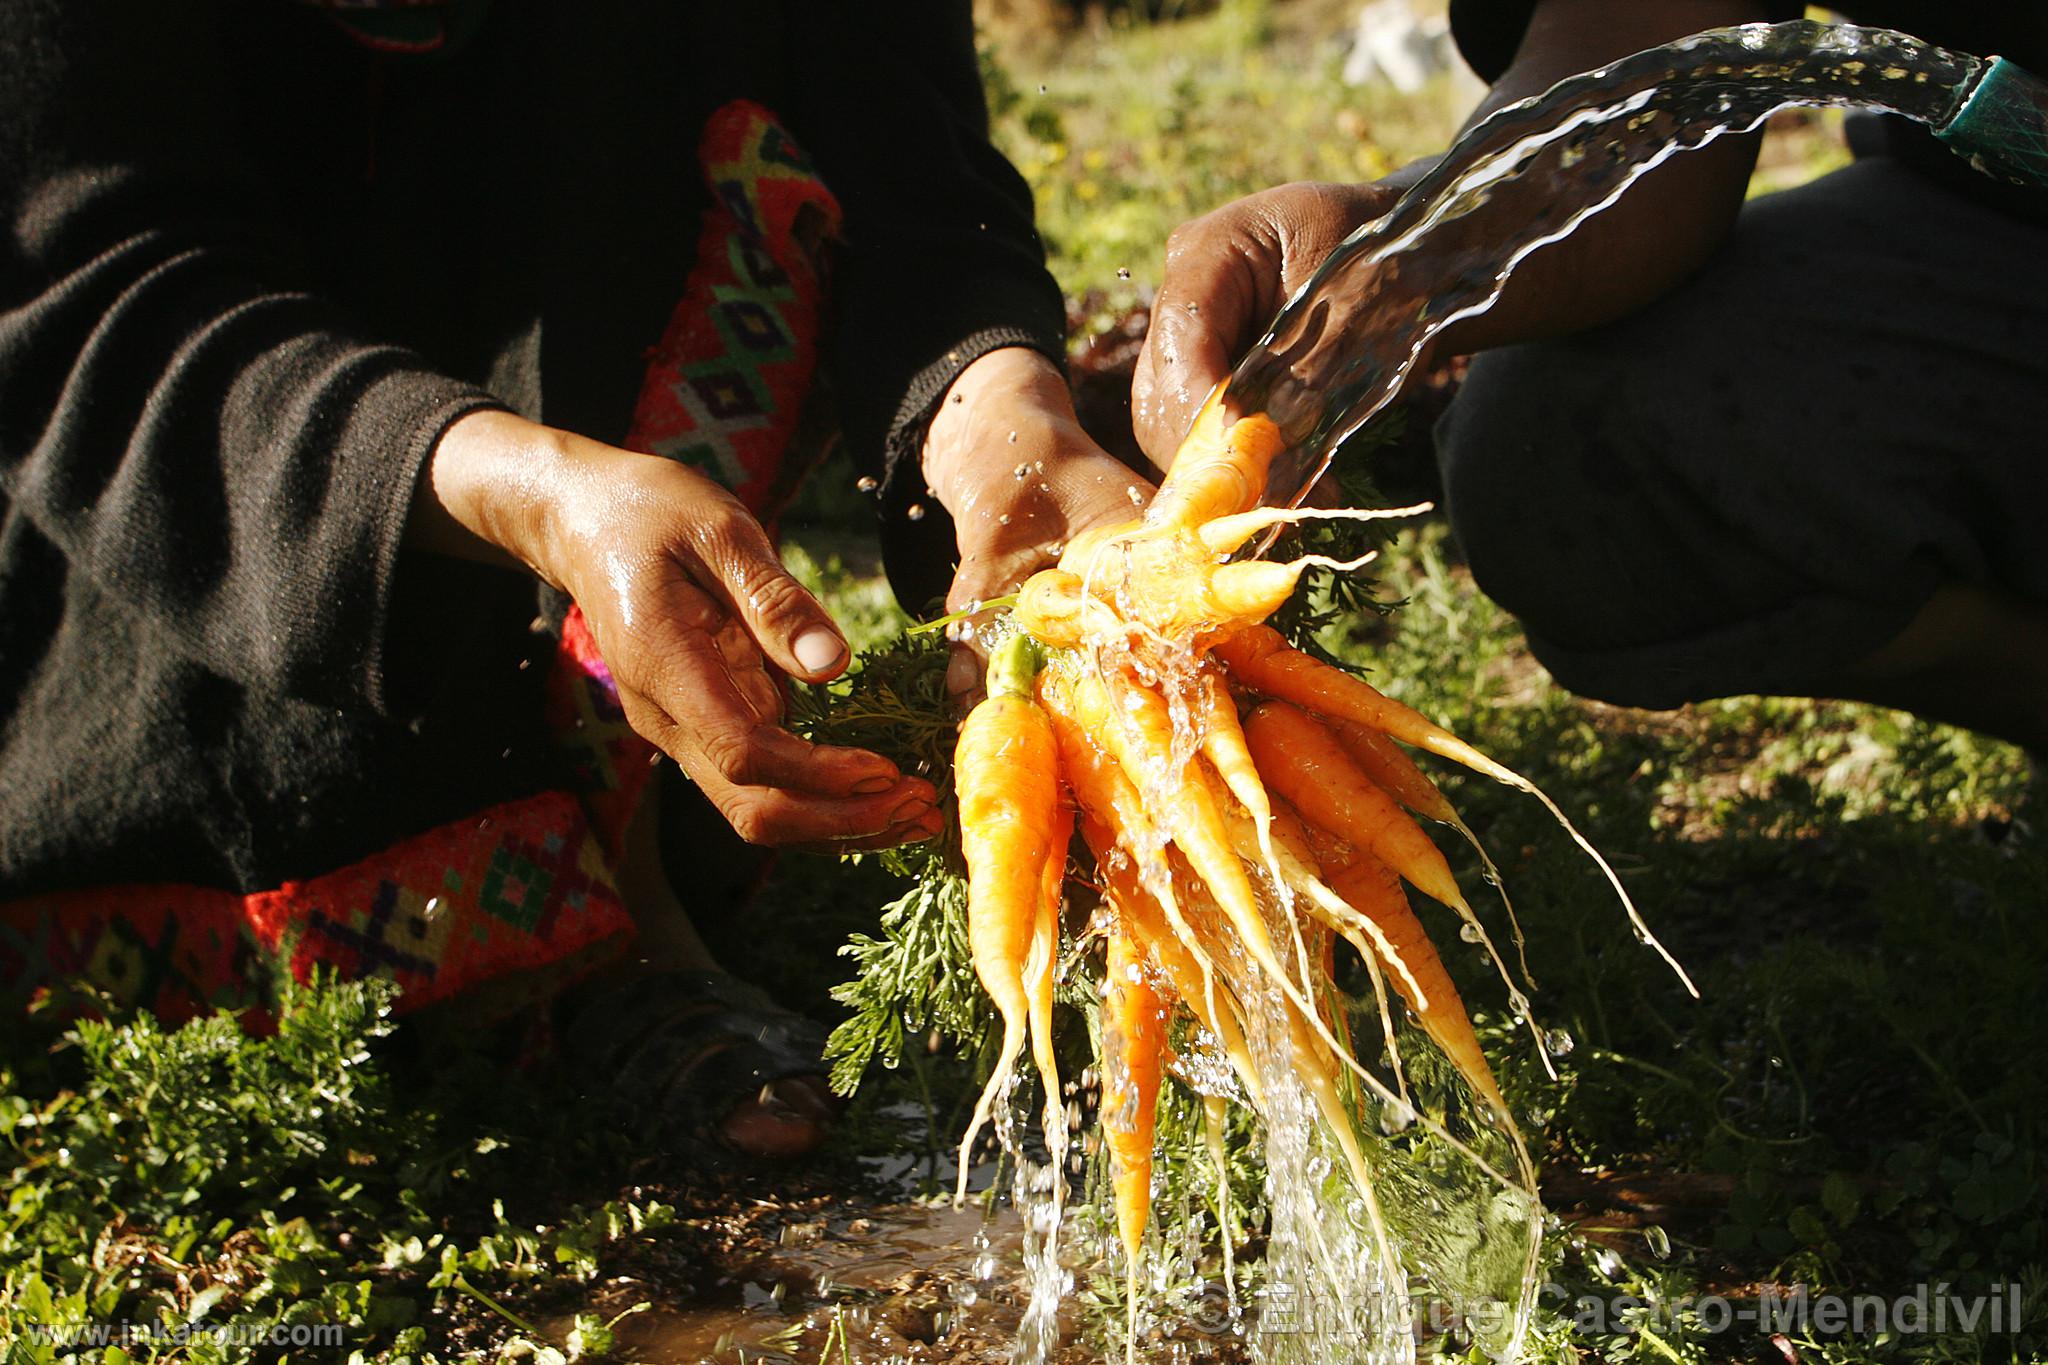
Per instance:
x=1529, y=175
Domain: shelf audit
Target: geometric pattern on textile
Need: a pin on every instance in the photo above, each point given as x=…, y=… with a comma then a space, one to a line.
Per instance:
x=725, y=385
x=513, y=891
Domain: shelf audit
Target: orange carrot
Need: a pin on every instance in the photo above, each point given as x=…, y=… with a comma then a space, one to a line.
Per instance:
x=1054, y=606
x=1392, y=771
x=1134, y=843
x=1371, y=887
x=1006, y=781
x=1134, y=1012
x=1302, y=760
x=1080, y=552
x=1044, y=955
x=1140, y=736
x=1260, y=659
x=1250, y=591
x=1396, y=774
x=1218, y=469
x=1179, y=957
x=1223, y=745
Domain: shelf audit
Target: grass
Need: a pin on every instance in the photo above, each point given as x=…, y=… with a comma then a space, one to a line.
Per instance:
x=1855, y=1103
x=1126, y=135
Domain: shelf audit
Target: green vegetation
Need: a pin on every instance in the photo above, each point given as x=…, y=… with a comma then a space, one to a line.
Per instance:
x=1126, y=137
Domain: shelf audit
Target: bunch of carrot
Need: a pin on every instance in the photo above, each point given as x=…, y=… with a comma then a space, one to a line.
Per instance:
x=1244, y=805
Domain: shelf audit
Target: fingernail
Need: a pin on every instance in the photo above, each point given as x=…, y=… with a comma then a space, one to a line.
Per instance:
x=909, y=810
x=817, y=649
x=962, y=673
x=870, y=786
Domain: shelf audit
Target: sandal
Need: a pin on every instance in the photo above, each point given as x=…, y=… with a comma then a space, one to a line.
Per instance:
x=692, y=1047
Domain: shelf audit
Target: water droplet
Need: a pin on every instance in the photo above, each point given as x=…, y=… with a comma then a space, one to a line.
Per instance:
x=1472, y=933
x=1518, y=1004
x=1013, y=438
x=1123, y=272
x=866, y=484
x=433, y=909
x=1658, y=1241
x=915, y=511
x=964, y=1294
x=1558, y=1043
x=1003, y=520
x=1022, y=471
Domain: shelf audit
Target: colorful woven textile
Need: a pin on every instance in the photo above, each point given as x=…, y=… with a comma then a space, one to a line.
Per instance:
x=509, y=903
x=726, y=388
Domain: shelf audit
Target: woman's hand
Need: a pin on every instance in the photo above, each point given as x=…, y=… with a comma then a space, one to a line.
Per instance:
x=1227, y=273
x=693, y=613
x=1007, y=457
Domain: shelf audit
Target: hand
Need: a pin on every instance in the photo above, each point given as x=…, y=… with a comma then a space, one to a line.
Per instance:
x=1227, y=274
x=690, y=607
x=1010, y=411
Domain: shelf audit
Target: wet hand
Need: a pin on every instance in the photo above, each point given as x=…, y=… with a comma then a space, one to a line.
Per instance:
x=693, y=613
x=1227, y=274
x=1007, y=457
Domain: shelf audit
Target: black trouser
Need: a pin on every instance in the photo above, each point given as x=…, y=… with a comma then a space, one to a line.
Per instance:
x=1764, y=475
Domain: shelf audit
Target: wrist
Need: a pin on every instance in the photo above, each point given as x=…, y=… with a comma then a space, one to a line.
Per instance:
x=487, y=490
x=981, y=420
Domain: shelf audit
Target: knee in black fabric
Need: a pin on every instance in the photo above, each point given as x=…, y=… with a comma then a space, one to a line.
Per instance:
x=1532, y=473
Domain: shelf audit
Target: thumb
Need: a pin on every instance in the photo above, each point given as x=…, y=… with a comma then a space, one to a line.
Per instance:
x=790, y=625
x=1199, y=321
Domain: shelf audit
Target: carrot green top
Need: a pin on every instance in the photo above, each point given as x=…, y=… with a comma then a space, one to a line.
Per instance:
x=1013, y=666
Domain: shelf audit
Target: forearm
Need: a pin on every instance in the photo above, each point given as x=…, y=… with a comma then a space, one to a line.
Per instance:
x=1656, y=235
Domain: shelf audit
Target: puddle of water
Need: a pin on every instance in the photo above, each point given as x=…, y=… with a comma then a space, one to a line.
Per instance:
x=906, y=1281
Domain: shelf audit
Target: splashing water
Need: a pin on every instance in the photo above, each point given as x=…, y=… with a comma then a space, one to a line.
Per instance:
x=1527, y=176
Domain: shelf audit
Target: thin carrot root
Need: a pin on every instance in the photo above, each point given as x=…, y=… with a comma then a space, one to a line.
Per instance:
x=1213, y=1113
x=1227, y=535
